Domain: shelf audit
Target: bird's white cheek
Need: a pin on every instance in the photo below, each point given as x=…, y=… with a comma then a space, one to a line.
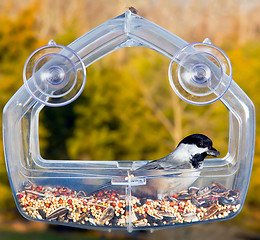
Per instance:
x=193, y=149
x=185, y=151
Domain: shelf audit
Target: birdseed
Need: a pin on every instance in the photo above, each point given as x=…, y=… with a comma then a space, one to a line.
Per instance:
x=110, y=208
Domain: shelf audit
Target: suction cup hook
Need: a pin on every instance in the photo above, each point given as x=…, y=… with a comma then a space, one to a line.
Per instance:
x=200, y=73
x=54, y=75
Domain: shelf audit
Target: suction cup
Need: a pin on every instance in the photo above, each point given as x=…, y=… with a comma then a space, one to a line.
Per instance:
x=54, y=75
x=200, y=73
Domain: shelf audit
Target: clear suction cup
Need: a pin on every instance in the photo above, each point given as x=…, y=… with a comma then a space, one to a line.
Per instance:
x=54, y=75
x=200, y=73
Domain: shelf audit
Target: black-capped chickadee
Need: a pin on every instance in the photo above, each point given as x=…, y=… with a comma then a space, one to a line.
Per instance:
x=189, y=154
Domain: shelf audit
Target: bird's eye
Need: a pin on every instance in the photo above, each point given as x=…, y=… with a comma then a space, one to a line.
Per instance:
x=209, y=147
x=200, y=144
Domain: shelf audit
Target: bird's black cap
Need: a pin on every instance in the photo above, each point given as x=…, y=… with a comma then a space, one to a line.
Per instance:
x=201, y=141
x=198, y=139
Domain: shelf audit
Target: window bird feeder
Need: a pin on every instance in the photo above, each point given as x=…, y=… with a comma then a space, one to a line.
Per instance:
x=57, y=191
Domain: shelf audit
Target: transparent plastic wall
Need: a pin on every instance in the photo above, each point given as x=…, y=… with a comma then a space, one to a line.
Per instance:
x=67, y=192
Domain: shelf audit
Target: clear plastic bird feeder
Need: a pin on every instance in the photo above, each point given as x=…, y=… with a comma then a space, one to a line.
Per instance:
x=56, y=191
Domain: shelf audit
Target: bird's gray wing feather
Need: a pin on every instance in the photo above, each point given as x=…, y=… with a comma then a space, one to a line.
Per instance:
x=164, y=165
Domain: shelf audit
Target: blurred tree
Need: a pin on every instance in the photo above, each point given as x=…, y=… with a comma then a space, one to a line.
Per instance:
x=17, y=41
x=127, y=110
x=246, y=68
x=115, y=118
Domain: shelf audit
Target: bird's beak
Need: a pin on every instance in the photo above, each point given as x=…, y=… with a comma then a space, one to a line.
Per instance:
x=213, y=152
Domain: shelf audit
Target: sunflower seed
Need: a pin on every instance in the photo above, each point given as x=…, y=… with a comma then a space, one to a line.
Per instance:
x=203, y=191
x=107, y=215
x=38, y=216
x=92, y=221
x=184, y=196
x=59, y=212
x=140, y=223
x=35, y=193
x=193, y=190
x=219, y=186
x=83, y=216
x=224, y=201
x=235, y=202
x=190, y=217
x=233, y=193
x=42, y=213
x=206, y=204
x=167, y=216
x=156, y=215
x=96, y=204
x=134, y=217
x=195, y=202
x=210, y=212
x=81, y=194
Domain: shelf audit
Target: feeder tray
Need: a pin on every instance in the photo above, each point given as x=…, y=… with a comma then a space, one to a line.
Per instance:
x=66, y=192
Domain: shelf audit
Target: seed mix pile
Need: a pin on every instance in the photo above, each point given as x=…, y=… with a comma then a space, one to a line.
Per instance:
x=111, y=208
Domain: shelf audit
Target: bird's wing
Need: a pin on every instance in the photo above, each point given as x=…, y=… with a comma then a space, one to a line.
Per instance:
x=164, y=165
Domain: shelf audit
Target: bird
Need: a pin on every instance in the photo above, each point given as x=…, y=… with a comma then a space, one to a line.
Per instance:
x=189, y=154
